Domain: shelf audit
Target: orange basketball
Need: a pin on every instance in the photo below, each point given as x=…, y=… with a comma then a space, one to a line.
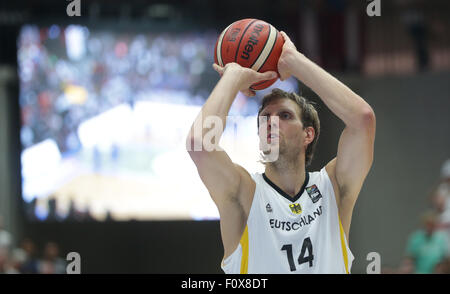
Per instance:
x=252, y=43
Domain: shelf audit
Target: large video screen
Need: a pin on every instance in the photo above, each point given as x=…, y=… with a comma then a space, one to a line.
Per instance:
x=105, y=114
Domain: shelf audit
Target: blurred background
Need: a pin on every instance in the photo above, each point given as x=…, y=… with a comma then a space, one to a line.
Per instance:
x=94, y=110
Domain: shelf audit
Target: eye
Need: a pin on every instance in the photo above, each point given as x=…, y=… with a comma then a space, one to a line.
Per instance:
x=262, y=116
x=285, y=115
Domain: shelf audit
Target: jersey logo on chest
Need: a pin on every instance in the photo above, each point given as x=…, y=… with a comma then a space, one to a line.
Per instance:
x=296, y=208
x=313, y=193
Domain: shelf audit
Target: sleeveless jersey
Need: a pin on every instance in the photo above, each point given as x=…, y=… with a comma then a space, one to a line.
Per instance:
x=292, y=235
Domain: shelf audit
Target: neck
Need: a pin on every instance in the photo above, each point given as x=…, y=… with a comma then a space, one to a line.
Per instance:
x=288, y=175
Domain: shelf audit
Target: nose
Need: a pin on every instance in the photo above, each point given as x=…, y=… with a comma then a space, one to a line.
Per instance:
x=272, y=122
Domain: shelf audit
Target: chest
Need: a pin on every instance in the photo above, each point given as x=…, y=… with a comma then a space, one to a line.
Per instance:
x=281, y=214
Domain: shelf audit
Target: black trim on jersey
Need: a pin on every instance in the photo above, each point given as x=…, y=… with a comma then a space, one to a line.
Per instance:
x=284, y=194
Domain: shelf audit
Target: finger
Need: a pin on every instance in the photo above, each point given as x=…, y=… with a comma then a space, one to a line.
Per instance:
x=218, y=69
x=287, y=40
x=268, y=75
x=285, y=36
x=248, y=93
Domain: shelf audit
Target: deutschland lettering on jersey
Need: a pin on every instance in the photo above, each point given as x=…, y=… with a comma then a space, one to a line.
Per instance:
x=288, y=226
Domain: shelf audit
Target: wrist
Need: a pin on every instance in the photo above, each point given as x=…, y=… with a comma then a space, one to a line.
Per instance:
x=297, y=58
x=232, y=76
x=300, y=65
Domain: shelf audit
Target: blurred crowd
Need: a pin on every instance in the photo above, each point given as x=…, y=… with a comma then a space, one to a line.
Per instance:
x=70, y=74
x=428, y=248
x=26, y=259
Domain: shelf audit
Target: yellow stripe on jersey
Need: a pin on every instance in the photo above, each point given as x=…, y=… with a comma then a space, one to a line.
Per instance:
x=244, y=245
x=344, y=248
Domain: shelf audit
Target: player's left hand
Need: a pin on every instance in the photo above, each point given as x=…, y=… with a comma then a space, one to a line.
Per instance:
x=246, y=76
x=287, y=55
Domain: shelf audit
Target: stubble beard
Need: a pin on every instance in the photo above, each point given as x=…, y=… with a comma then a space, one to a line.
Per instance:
x=288, y=158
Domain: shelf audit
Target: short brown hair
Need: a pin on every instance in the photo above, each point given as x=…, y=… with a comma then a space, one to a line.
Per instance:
x=308, y=115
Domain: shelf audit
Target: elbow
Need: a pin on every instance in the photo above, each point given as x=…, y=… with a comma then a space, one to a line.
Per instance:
x=367, y=118
x=191, y=142
x=195, y=146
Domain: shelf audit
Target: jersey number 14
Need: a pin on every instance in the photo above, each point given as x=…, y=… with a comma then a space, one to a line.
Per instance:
x=307, y=246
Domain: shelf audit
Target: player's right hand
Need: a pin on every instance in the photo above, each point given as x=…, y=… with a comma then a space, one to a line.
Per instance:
x=288, y=55
x=246, y=76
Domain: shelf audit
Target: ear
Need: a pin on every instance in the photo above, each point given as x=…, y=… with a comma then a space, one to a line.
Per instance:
x=310, y=135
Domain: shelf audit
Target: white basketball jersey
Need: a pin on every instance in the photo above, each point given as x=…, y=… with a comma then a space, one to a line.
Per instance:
x=292, y=235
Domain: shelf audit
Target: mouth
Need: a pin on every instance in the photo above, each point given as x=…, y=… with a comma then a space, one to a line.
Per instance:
x=272, y=136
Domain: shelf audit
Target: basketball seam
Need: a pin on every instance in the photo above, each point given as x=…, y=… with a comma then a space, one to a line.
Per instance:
x=271, y=49
x=240, y=40
x=260, y=83
x=267, y=40
x=221, y=46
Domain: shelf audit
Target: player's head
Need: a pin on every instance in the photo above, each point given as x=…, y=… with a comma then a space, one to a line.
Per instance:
x=298, y=121
x=438, y=199
x=429, y=220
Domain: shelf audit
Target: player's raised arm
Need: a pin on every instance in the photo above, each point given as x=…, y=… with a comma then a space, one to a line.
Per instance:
x=355, y=149
x=215, y=167
x=225, y=181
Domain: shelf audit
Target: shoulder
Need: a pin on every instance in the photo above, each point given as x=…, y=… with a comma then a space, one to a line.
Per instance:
x=247, y=187
x=242, y=171
x=331, y=167
x=321, y=176
x=441, y=236
x=246, y=178
x=331, y=171
x=416, y=236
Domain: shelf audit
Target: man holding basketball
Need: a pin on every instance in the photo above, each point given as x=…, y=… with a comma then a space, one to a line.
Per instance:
x=287, y=220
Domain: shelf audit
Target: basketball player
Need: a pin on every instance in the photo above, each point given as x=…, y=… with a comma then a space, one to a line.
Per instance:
x=287, y=220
